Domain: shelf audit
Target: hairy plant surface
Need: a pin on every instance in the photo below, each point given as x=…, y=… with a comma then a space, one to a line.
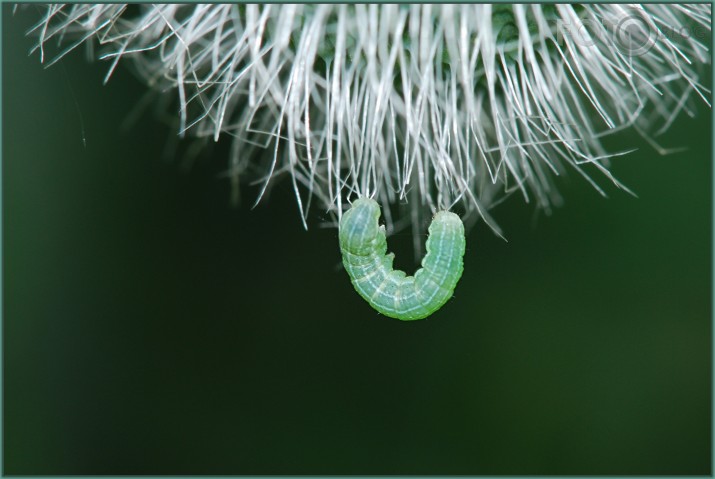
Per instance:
x=426, y=106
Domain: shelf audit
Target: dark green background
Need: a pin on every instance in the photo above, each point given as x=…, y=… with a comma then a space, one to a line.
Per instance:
x=151, y=328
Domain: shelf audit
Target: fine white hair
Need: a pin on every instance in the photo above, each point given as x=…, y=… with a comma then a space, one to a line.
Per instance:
x=427, y=106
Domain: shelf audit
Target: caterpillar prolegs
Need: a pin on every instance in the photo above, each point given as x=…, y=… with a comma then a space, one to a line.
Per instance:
x=391, y=292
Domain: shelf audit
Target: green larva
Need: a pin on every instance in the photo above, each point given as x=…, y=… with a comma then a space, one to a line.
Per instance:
x=391, y=292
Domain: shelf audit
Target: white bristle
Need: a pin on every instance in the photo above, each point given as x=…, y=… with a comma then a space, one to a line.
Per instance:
x=429, y=105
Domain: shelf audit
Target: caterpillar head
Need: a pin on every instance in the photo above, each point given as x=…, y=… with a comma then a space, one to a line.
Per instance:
x=359, y=226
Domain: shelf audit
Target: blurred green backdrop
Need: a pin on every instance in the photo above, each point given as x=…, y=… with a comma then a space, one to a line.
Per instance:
x=149, y=328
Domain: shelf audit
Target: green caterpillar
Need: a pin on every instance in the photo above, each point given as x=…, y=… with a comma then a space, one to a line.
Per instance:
x=391, y=292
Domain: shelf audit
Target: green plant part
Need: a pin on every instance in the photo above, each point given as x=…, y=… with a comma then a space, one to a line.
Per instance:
x=391, y=292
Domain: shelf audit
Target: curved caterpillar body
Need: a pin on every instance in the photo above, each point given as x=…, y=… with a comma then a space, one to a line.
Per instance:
x=391, y=292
